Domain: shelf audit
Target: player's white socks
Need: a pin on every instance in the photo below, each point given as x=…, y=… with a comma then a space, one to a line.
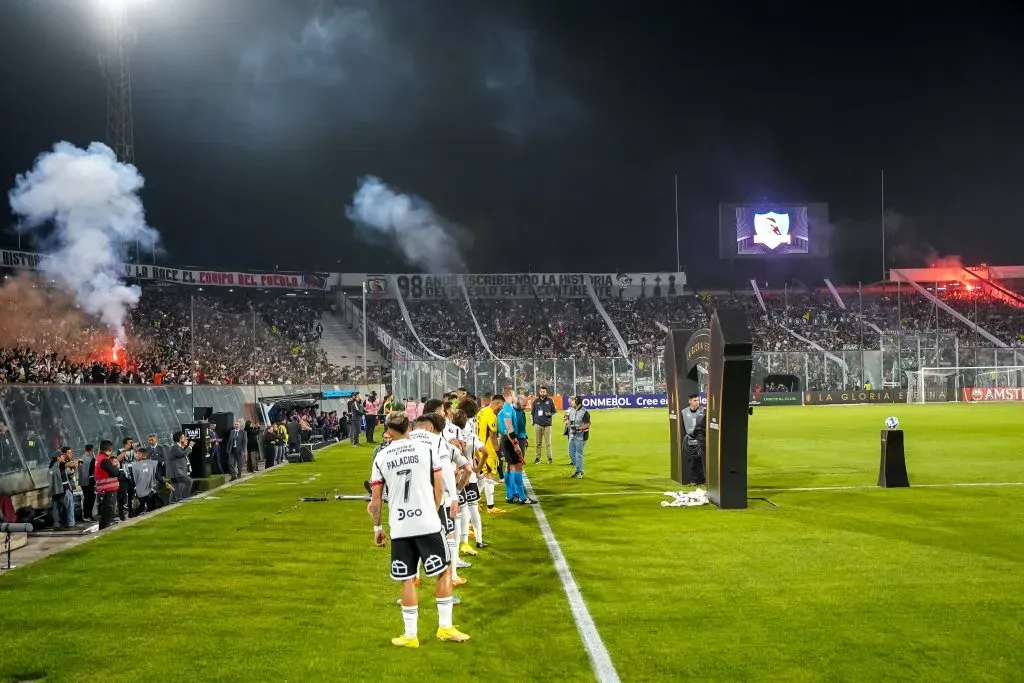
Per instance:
x=444, y=612
x=489, y=492
x=453, y=548
x=478, y=527
x=411, y=615
x=464, y=523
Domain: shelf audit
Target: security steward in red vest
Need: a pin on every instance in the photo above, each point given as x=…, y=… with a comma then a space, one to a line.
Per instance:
x=107, y=483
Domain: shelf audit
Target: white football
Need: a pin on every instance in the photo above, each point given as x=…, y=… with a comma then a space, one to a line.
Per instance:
x=891, y=423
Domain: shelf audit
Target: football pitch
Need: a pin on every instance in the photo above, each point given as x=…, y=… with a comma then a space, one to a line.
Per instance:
x=841, y=581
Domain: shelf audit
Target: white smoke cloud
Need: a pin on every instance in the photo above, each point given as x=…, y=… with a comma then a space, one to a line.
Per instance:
x=424, y=238
x=530, y=99
x=92, y=201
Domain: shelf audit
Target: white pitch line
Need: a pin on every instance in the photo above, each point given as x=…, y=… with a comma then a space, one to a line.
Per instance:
x=859, y=487
x=600, y=660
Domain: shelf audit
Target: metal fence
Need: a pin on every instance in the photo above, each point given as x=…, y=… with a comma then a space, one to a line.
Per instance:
x=814, y=370
x=36, y=420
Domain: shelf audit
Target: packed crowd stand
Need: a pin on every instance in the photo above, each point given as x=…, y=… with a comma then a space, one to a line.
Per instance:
x=226, y=339
x=256, y=338
x=572, y=328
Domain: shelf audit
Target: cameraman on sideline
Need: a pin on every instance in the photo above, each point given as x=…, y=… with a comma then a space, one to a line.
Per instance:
x=577, y=420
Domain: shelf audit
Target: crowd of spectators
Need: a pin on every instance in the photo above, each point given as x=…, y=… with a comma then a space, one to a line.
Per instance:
x=187, y=336
x=792, y=320
x=181, y=336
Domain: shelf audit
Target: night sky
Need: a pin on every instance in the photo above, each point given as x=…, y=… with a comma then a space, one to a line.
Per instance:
x=551, y=130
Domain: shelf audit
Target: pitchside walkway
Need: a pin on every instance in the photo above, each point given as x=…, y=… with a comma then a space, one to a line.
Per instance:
x=45, y=543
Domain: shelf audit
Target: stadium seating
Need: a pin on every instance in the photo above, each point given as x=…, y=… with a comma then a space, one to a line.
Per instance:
x=235, y=338
x=261, y=338
x=573, y=328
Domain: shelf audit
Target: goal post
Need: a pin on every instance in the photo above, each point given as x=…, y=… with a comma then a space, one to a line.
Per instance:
x=960, y=383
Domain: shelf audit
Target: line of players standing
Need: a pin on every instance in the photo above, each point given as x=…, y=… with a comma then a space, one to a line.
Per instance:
x=430, y=471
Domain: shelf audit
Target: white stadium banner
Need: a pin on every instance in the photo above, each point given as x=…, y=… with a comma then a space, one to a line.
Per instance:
x=191, y=276
x=419, y=287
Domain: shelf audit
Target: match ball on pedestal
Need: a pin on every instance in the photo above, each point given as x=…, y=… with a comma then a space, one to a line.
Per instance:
x=891, y=423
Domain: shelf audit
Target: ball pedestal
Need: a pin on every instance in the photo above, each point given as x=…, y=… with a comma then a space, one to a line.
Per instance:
x=892, y=468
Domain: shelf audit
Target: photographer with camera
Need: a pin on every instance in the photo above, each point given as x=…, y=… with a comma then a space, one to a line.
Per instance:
x=577, y=421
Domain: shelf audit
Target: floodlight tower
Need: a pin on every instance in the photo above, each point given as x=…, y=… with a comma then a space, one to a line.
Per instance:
x=119, y=36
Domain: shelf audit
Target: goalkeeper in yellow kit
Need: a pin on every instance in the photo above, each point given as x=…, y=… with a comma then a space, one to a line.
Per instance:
x=487, y=432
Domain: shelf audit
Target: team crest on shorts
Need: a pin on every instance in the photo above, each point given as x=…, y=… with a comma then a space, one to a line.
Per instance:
x=432, y=564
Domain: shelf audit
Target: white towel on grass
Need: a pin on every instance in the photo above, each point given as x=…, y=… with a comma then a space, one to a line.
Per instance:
x=685, y=499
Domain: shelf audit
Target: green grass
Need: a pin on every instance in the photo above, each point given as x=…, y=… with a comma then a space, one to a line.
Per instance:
x=858, y=584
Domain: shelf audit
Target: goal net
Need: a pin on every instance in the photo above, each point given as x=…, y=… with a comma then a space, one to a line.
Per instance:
x=940, y=385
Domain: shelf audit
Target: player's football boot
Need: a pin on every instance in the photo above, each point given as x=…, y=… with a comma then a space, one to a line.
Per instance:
x=460, y=581
x=452, y=634
x=467, y=549
x=403, y=641
x=495, y=511
x=481, y=544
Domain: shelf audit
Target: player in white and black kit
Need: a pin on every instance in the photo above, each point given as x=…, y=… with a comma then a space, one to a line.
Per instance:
x=469, y=499
x=456, y=438
x=428, y=431
x=475, y=451
x=411, y=472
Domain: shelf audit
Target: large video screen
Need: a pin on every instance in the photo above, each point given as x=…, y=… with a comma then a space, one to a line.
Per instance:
x=773, y=230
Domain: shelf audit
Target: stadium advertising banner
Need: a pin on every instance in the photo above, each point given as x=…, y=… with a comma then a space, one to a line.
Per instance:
x=186, y=276
x=812, y=398
x=601, y=401
x=773, y=230
x=419, y=287
x=778, y=398
x=986, y=394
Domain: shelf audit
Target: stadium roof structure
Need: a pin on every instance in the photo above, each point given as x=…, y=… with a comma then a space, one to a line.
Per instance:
x=956, y=273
